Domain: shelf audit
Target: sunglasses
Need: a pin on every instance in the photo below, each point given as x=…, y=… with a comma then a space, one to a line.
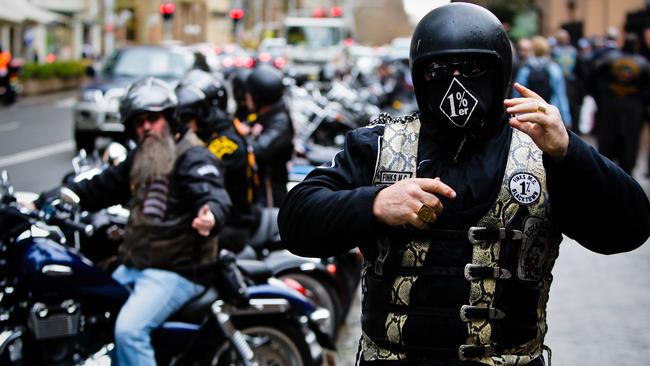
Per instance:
x=468, y=68
x=149, y=117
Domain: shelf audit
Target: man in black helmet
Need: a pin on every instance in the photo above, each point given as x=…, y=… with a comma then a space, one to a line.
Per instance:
x=272, y=133
x=451, y=207
x=202, y=102
x=174, y=190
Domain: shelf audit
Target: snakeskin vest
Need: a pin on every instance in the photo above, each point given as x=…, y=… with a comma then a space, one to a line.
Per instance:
x=479, y=293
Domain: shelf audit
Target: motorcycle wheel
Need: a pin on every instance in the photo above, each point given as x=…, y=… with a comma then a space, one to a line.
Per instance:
x=322, y=295
x=275, y=342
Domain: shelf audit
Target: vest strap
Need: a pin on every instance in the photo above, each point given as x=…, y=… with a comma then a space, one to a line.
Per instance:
x=422, y=311
x=470, y=313
x=467, y=352
x=475, y=272
x=430, y=270
x=475, y=234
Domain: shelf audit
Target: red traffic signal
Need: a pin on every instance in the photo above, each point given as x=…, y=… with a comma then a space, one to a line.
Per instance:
x=167, y=8
x=336, y=11
x=236, y=13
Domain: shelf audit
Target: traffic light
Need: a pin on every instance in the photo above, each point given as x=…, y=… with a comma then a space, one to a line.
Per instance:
x=236, y=14
x=167, y=10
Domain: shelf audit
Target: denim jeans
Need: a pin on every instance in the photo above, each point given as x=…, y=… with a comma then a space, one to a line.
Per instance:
x=155, y=295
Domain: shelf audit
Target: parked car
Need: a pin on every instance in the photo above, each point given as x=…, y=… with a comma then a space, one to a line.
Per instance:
x=96, y=112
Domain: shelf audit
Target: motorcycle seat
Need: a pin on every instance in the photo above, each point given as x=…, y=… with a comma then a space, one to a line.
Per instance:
x=254, y=270
x=195, y=310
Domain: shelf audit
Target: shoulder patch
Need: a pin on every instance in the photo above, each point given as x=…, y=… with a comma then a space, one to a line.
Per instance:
x=222, y=146
x=208, y=169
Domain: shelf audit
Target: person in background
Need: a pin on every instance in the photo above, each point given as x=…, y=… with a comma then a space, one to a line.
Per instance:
x=543, y=76
x=271, y=137
x=565, y=55
x=174, y=190
x=202, y=103
x=621, y=82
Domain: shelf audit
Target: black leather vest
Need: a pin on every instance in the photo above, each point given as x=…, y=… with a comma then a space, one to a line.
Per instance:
x=479, y=293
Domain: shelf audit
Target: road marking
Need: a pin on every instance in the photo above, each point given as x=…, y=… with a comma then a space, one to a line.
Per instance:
x=65, y=103
x=36, y=153
x=9, y=126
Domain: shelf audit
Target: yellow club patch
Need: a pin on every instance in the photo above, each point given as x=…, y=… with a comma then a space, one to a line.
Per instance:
x=222, y=146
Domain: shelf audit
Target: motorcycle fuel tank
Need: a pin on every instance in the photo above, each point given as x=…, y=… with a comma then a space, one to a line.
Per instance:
x=52, y=270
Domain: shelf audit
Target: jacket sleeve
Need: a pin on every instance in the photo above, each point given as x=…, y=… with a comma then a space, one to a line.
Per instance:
x=109, y=188
x=330, y=212
x=595, y=202
x=200, y=178
x=273, y=138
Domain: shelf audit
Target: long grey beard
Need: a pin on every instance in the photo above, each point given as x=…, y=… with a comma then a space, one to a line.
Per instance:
x=154, y=158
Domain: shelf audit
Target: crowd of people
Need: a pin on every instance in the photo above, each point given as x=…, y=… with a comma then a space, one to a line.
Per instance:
x=602, y=86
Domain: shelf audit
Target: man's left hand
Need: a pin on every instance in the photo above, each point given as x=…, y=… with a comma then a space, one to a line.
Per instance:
x=539, y=120
x=204, y=221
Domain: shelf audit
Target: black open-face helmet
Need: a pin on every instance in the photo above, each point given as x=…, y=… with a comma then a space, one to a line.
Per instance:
x=149, y=95
x=238, y=83
x=462, y=31
x=265, y=85
x=202, y=97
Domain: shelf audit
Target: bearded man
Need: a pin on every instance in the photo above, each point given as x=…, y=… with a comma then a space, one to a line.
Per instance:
x=174, y=190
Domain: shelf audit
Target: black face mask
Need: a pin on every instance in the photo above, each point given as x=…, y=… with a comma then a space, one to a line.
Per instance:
x=461, y=103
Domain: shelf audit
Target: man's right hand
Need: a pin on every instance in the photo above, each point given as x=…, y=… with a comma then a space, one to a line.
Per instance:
x=398, y=204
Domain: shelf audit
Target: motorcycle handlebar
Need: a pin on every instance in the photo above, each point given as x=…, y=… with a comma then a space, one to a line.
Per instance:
x=85, y=229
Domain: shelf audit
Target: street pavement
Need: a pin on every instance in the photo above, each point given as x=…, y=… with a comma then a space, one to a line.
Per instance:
x=598, y=310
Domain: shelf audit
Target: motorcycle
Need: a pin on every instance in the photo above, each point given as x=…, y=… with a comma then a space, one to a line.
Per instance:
x=317, y=279
x=10, y=87
x=58, y=308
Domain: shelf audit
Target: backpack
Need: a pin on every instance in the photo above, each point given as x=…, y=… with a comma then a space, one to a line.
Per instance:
x=539, y=79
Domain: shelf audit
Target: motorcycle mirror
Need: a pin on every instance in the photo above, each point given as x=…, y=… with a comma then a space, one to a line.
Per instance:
x=69, y=197
x=6, y=189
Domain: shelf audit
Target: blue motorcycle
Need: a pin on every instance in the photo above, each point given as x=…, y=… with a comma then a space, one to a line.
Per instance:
x=58, y=308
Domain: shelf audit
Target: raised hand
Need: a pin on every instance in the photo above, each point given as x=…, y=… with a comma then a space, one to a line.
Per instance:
x=539, y=120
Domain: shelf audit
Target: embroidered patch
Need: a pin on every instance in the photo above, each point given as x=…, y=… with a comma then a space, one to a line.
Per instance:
x=222, y=146
x=389, y=177
x=525, y=188
x=208, y=169
x=535, y=248
x=458, y=104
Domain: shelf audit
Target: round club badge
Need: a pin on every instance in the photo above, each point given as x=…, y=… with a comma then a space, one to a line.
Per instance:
x=525, y=188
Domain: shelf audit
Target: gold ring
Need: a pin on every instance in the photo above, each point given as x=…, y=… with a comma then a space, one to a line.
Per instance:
x=541, y=108
x=427, y=214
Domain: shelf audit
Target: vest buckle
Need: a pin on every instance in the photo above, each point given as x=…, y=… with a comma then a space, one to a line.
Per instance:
x=471, y=232
x=470, y=313
x=492, y=234
x=475, y=272
x=467, y=352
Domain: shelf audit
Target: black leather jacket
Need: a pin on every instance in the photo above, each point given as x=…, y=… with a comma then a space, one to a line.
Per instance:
x=273, y=149
x=196, y=180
